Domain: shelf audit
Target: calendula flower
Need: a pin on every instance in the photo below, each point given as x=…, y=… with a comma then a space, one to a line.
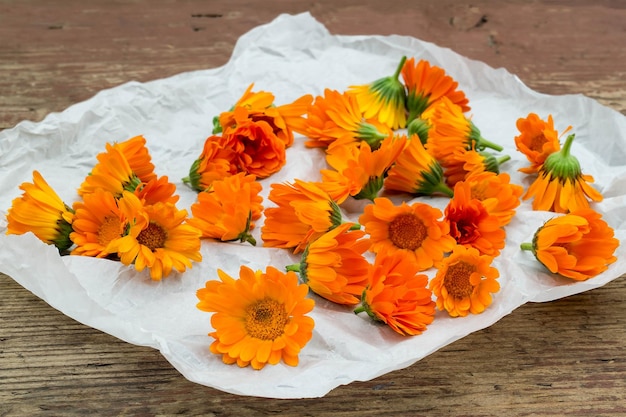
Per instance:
x=578, y=245
x=560, y=185
x=496, y=192
x=259, y=318
x=214, y=163
x=227, y=212
x=138, y=157
x=334, y=266
x=157, y=238
x=417, y=172
x=98, y=221
x=451, y=130
x=398, y=295
x=471, y=224
x=464, y=162
x=537, y=140
x=256, y=148
x=415, y=230
x=112, y=173
x=361, y=170
x=304, y=211
x=426, y=84
x=337, y=116
x=383, y=99
x=260, y=106
x=40, y=211
x=464, y=282
x=158, y=189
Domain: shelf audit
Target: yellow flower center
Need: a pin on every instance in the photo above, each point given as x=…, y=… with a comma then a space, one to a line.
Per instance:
x=109, y=230
x=407, y=231
x=537, y=142
x=266, y=319
x=152, y=236
x=457, y=279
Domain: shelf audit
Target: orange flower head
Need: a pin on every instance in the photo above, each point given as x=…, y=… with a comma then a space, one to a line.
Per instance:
x=158, y=189
x=464, y=282
x=450, y=130
x=112, y=173
x=227, y=212
x=138, y=157
x=259, y=106
x=337, y=116
x=383, y=99
x=257, y=149
x=465, y=162
x=334, y=266
x=304, y=212
x=578, y=245
x=260, y=318
x=157, y=238
x=496, y=192
x=426, y=84
x=537, y=140
x=398, y=295
x=471, y=224
x=40, y=211
x=98, y=221
x=416, y=172
x=214, y=163
x=414, y=230
x=361, y=169
x=560, y=185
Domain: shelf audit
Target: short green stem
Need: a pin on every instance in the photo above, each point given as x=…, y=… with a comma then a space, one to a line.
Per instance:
x=359, y=309
x=399, y=69
x=293, y=268
x=567, y=145
x=482, y=143
x=526, y=246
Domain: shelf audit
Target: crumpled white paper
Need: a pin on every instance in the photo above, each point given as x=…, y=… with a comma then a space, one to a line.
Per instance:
x=291, y=56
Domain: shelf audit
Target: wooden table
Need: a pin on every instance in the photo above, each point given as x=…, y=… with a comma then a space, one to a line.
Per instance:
x=566, y=357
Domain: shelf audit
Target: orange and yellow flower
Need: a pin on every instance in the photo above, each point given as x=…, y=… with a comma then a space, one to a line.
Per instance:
x=398, y=295
x=157, y=239
x=158, y=189
x=304, y=211
x=560, y=185
x=359, y=170
x=415, y=230
x=450, y=130
x=111, y=173
x=383, y=99
x=138, y=157
x=260, y=318
x=41, y=211
x=337, y=116
x=227, y=212
x=496, y=192
x=214, y=163
x=98, y=221
x=334, y=266
x=260, y=106
x=578, y=245
x=257, y=150
x=464, y=282
x=537, y=140
x=417, y=172
x=465, y=162
x=471, y=224
x=425, y=84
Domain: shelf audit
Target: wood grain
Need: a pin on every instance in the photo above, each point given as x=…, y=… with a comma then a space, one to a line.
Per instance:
x=566, y=357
